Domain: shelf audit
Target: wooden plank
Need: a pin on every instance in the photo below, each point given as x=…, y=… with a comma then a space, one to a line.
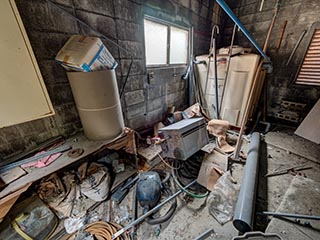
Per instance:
x=77, y=141
x=310, y=126
x=7, y=202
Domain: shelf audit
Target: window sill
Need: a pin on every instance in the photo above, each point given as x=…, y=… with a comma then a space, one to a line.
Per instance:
x=154, y=67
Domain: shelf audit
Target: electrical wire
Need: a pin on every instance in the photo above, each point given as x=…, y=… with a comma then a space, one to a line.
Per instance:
x=167, y=164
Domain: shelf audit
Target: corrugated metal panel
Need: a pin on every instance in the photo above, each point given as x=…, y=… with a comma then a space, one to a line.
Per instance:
x=310, y=69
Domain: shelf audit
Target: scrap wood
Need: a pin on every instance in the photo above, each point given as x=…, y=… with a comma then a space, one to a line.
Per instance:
x=195, y=110
x=150, y=152
x=287, y=170
x=7, y=202
x=125, y=141
x=11, y=175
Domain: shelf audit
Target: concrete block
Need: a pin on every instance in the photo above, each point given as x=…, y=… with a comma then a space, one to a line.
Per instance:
x=184, y=3
x=10, y=133
x=129, y=11
x=52, y=72
x=155, y=116
x=134, y=97
x=68, y=3
x=47, y=45
x=102, y=24
x=129, y=31
x=136, y=110
x=60, y=94
x=96, y=6
x=195, y=6
x=138, y=123
x=136, y=82
x=138, y=67
x=156, y=104
x=66, y=114
x=133, y=49
x=175, y=87
x=40, y=15
x=155, y=92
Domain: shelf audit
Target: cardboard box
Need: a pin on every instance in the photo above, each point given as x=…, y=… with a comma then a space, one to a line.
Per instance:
x=85, y=54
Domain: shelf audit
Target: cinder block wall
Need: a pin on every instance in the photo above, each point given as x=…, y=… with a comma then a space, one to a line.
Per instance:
x=144, y=102
x=300, y=15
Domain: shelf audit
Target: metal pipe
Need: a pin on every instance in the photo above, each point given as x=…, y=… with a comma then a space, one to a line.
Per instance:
x=228, y=63
x=214, y=56
x=291, y=215
x=34, y=158
x=243, y=215
x=296, y=47
x=233, y=17
x=153, y=210
x=205, y=234
x=261, y=5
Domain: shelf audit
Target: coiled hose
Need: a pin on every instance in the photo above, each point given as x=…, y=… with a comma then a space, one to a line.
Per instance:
x=152, y=220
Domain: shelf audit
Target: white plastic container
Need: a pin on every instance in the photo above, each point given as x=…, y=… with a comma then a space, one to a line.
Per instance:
x=97, y=99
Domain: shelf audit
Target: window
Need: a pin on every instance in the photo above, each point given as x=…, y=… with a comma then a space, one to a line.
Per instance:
x=309, y=71
x=165, y=43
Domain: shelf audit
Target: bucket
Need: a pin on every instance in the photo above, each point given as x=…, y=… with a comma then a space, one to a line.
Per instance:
x=97, y=99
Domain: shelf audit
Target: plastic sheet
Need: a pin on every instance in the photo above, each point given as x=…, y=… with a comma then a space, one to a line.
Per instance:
x=222, y=199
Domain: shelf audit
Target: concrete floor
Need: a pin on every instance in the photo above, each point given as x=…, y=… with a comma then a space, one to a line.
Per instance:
x=282, y=149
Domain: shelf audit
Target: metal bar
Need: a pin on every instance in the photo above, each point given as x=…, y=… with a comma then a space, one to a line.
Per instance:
x=286, y=170
x=261, y=5
x=296, y=47
x=291, y=215
x=153, y=210
x=228, y=63
x=34, y=158
x=205, y=234
x=283, y=29
x=214, y=56
x=243, y=215
x=229, y=12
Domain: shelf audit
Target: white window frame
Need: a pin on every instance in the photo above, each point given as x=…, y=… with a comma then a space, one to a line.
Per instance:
x=168, y=25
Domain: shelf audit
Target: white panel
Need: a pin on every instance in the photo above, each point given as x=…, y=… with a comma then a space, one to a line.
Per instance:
x=23, y=96
x=156, y=40
x=179, y=39
x=238, y=86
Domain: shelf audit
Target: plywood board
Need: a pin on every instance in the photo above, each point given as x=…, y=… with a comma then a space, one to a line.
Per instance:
x=310, y=126
x=23, y=96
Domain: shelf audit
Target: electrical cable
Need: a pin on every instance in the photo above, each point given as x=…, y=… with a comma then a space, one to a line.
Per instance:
x=167, y=164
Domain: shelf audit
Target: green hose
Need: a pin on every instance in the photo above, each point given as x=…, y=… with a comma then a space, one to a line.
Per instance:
x=185, y=190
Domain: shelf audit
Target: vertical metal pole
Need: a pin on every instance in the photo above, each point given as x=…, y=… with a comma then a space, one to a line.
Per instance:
x=215, y=77
x=243, y=215
x=191, y=76
x=228, y=63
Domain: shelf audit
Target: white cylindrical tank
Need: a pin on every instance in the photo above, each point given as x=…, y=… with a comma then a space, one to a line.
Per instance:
x=97, y=99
